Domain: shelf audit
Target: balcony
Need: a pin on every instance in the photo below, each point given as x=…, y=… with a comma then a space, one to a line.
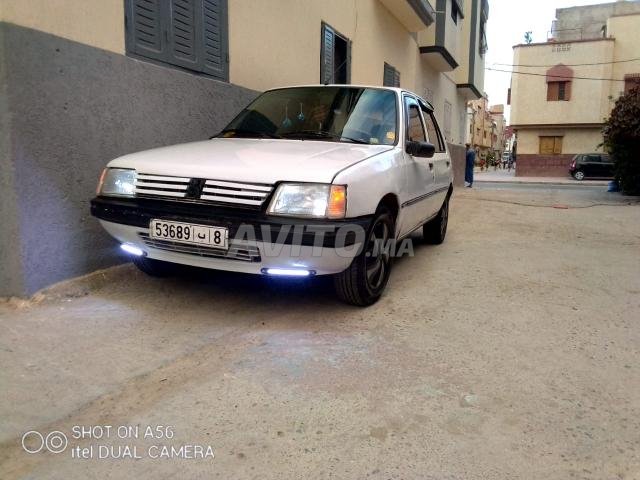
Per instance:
x=439, y=46
x=414, y=15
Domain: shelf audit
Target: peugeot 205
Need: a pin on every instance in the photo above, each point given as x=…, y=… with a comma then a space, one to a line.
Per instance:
x=310, y=180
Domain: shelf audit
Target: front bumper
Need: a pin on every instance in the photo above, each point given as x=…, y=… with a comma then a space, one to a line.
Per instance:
x=322, y=246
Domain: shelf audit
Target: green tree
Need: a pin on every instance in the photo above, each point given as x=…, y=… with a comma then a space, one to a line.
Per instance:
x=622, y=140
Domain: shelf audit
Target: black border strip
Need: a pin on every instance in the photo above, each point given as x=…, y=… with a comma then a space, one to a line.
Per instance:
x=423, y=197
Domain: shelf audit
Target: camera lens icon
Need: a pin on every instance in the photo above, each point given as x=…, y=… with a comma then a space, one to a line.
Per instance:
x=56, y=442
x=35, y=442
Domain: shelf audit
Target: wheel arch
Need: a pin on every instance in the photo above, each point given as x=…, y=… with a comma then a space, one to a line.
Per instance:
x=391, y=202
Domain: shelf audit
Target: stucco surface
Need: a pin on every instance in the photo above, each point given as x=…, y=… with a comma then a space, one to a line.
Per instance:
x=70, y=109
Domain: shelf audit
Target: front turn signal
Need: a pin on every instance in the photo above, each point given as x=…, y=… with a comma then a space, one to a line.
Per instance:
x=337, y=207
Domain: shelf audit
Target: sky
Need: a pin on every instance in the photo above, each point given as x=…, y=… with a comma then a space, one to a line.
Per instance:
x=507, y=24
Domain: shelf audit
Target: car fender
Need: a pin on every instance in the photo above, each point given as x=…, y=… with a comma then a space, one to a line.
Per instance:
x=372, y=179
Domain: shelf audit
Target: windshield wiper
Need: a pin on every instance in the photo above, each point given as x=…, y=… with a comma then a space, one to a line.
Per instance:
x=248, y=133
x=324, y=134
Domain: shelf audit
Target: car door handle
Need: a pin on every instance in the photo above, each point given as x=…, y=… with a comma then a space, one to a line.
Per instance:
x=430, y=166
x=448, y=163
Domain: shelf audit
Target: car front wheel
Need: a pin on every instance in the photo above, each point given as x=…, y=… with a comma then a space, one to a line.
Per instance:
x=578, y=175
x=364, y=281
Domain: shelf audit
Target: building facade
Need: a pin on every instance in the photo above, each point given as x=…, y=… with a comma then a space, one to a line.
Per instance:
x=498, y=137
x=481, y=127
x=568, y=85
x=88, y=81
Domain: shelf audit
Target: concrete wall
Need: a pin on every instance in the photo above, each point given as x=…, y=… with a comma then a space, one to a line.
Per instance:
x=70, y=109
x=458, y=161
x=577, y=23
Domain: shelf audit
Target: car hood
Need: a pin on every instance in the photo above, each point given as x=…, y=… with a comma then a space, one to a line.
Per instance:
x=251, y=160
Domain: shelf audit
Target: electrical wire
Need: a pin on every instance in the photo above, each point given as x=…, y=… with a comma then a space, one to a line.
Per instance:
x=568, y=64
x=544, y=75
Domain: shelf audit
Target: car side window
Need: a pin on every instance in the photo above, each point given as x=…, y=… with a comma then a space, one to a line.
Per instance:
x=415, y=127
x=593, y=158
x=433, y=131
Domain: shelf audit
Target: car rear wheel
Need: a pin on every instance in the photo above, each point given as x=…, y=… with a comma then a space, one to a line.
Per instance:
x=155, y=268
x=364, y=281
x=578, y=175
x=435, y=230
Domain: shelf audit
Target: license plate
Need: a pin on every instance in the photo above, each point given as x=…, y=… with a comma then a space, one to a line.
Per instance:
x=217, y=237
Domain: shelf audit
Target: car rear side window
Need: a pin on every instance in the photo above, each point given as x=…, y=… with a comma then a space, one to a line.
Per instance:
x=432, y=130
x=415, y=129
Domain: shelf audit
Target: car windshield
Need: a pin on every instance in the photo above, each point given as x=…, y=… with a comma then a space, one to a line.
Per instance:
x=334, y=114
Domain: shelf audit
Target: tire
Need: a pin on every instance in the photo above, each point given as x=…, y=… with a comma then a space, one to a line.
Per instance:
x=364, y=281
x=435, y=230
x=154, y=268
x=578, y=175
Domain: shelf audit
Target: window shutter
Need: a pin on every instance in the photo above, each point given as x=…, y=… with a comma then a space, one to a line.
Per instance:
x=215, y=38
x=388, y=76
x=546, y=145
x=188, y=33
x=182, y=33
x=144, y=28
x=567, y=91
x=327, y=63
x=552, y=91
x=557, y=145
x=391, y=76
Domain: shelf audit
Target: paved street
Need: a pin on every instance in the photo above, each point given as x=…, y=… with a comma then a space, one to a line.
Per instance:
x=509, y=352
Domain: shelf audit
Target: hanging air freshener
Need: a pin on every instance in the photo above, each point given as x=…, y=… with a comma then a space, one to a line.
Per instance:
x=286, y=123
x=301, y=114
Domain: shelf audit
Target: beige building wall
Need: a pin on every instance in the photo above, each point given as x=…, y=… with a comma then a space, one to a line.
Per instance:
x=589, y=101
x=267, y=49
x=101, y=25
x=574, y=140
x=626, y=31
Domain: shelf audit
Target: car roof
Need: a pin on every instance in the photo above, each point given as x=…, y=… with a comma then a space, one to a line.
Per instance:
x=396, y=90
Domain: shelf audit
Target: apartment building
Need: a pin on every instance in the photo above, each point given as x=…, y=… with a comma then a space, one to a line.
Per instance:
x=568, y=85
x=481, y=126
x=499, y=122
x=87, y=81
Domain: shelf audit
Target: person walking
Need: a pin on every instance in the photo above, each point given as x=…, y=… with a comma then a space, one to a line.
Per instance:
x=470, y=162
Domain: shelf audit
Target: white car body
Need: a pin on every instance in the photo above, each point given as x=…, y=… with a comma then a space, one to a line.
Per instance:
x=417, y=186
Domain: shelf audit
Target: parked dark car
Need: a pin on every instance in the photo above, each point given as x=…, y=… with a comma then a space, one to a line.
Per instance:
x=591, y=165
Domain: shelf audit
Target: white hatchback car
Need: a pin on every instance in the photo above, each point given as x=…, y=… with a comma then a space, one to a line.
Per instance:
x=310, y=180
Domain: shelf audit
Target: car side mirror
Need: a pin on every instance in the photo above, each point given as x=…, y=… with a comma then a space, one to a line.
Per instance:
x=420, y=149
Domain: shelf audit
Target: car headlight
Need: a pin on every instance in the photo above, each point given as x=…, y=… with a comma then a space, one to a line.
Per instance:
x=118, y=182
x=309, y=200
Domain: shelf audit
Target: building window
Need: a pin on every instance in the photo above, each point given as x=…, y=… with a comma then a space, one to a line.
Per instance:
x=335, y=57
x=190, y=34
x=631, y=81
x=483, y=46
x=550, y=145
x=390, y=76
x=558, y=91
x=454, y=11
x=559, y=83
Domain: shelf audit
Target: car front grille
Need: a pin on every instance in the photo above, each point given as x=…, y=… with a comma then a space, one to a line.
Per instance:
x=237, y=251
x=249, y=195
x=161, y=186
x=237, y=193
